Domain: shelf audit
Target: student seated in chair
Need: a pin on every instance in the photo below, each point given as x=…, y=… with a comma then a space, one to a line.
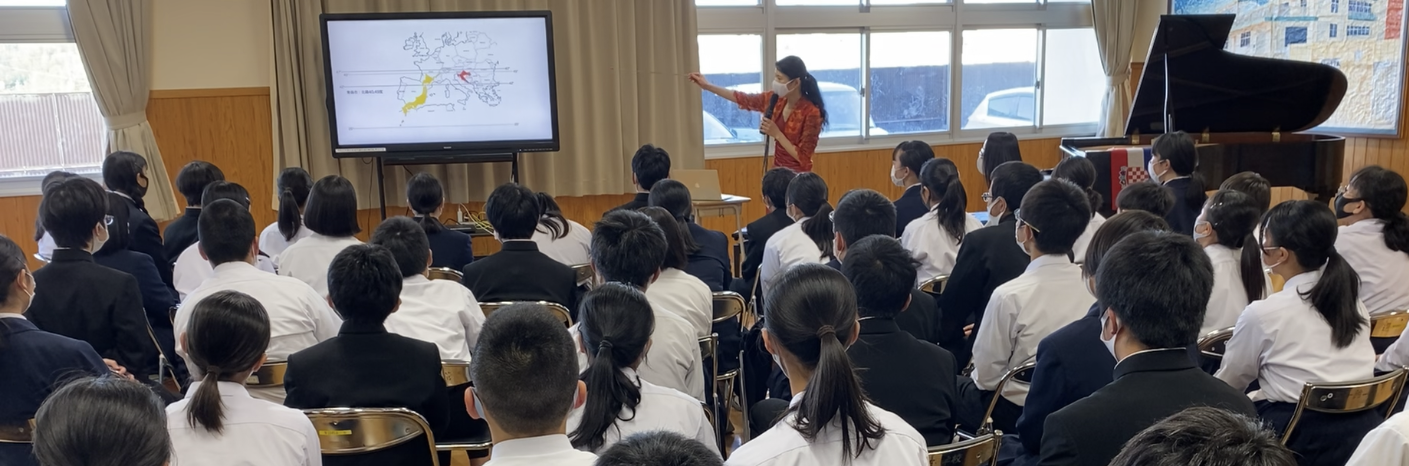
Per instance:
x=102, y=421
x=332, y=217
x=1082, y=173
x=775, y=197
x=657, y=448
x=934, y=237
x=707, y=250
x=1374, y=238
x=157, y=299
x=649, y=165
x=864, y=213
x=192, y=269
x=518, y=272
x=125, y=173
x=190, y=182
x=808, y=240
x=674, y=289
x=906, y=162
x=449, y=248
x=1149, y=197
x=558, y=237
x=294, y=186
x=365, y=366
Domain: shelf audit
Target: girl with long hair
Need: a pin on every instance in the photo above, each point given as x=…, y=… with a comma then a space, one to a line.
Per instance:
x=426, y=198
x=798, y=114
x=559, y=238
x=1374, y=237
x=998, y=148
x=808, y=239
x=294, y=185
x=331, y=214
x=1225, y=230
x=934, y=238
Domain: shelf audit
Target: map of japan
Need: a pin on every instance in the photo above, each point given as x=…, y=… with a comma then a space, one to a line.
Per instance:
x=450, y=70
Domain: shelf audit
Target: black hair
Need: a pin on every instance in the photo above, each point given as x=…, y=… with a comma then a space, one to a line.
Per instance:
x=1178, y=149
x=551, y=216
x=1057, y=213
x=225, y=190
x=1308, y=230
x=12, y=264
x=941, y=178
x=1253, y=185
x=616, y=325
x=675, y=255
x=513, y=211
x=675, y=198
x=1011, y=181
x=913, y=155
x=49, y=180
x=628, y=247
x=193, y=177
x=882, y=273
x=811, y=313
x=1383, y=192
x=524, y=370
x=294, y=187
x=102, y=421
x=406, y=241
x=1205, y=436
x=226, y=337
x=225, y=230
x=424, y=194
x=1115, y=229
x=1148, y=197
x=775, y=186
x=793, y=67
x=1233, y=216
x=71, y=209
x=808, y=192
x=120, y=170
x=1082, y=173
x=650, y=164
x=332, y=208
x=119, y=234
x=861, y=213
x=364, y=283
x=999, y=148
x=658, y=448
x=1157, y=283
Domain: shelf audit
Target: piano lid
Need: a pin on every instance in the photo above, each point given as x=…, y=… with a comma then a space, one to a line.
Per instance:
x=1220, y=91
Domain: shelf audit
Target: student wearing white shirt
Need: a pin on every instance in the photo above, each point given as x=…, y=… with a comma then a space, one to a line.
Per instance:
x=812, y=318
x=436, y=311
x=675, y=290
x=294, y=185
x=1374, y=238
x=934, y=238
x=1314, y=330
x=191, y=268
x=808, y=240
x=332, y=216
x=659, y=447
x=615, y=330
x=558, y=238
x=1225, y=230
x=1049, y=294
x=1082, y=173
x=219, y=423
x=1386, y=445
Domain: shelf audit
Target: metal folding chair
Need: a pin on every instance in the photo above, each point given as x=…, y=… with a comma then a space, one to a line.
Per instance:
x=1348, y=397
x=353, y=431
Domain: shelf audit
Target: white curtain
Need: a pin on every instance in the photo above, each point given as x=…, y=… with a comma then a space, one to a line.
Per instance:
x=1115, y=32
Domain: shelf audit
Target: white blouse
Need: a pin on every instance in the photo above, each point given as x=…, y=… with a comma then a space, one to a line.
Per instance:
x=441, y=312
x=1078, y=249
x=786, y=249
x=1228, y=298
x=254, y=432
x=272, y=242
x=934, y=247
x=660, y=409
x=308, y=260
x=684, y=295
x=783, y=445
x=1384, y=274
x=568, y=250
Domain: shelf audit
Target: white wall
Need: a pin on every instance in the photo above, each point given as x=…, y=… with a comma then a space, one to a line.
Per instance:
x=1147, y=19
x=206, y=44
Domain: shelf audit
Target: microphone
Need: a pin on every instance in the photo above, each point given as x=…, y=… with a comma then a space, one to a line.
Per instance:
x=768, y=112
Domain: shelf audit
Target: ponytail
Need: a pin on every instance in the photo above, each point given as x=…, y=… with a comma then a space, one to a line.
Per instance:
x=1384, y=192
x=294, y=186
x=424, y=195
x=941, y=178
x=1308, y=230
x=808, y=192
x=687, y=239
x=1250, y=268
x=819, y=228
x=550, y=216
x=206, y=411
x=609, y=390
x=793, y=67
x=1397, y=232
x=226, y=338
x=1335, y=296
x=1233, y=216
x=616, y=321
x=1081, y=172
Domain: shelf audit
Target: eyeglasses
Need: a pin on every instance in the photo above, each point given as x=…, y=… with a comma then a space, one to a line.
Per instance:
x=1018, y=214
x=107, y=220
x=987, y=197
x=832, y=216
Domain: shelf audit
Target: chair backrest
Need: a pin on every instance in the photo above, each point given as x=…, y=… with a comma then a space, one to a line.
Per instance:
x=1214, y=343
x=559, y=309
x=351, y=431
x=1389, y=325
x=455, y=372
x=270, y=374
x=934, y=285
x=585, y=274
x=1020, y=374
x=1349, y=397
x=21, y=433
x=728, y=305
x=444, y=273
x=977, y=451
x=709, y=351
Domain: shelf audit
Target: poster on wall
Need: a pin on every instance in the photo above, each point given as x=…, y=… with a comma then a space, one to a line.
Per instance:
x=1362, y=38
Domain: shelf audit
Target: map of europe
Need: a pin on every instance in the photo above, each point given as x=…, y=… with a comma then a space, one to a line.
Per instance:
x=450, y=69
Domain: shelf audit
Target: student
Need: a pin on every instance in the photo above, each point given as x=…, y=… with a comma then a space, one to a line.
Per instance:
x=1148, y=197
x=708, y=250
x=757, y=233
x=219, y=423
x=449, y=248
x=387, y=370
x=332, y=217
x=80, y=299
x=518, y=272
x=294, y=188
x=906, y=162
x=1153, y=286
x=935, y=237
x=659, y=448
x=614, y=333
x=1047, y=296
x=190, y=182
x=1254, y=186
x=650, y=165
x=157, y=299
x=1374, y=238
x=998, y=148
x=102, y=421
x=1386, y=445
x=913, y=379
x=525, y=379
x=1206, y=437
x=1314, y=330
x=125, y=173
x=46, y=242
x=32, y=361
x=811, y=320
x=1082, y=173
x=299, y=317
x=627, y=247
x=808, y=240
x=191, y=268
x=1175, y=165
x=558, y=238
x=674, y=290
x=863, y=213
x=1225, y=230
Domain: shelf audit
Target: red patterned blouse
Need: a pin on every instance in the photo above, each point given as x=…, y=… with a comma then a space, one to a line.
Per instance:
x=802, y=128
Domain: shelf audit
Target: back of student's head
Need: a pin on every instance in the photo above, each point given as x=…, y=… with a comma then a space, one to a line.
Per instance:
x=808, y=193
x=1308, y=230
x=225, y=339
x=1384, y=192
x=999, y=148
x=119, y=235
x=674, y=197
x=218, y=190
x=811, y=314
x=1082, y=173
x=1011, y=181
x=1056, y=211
x=50, y=179
x=120, y=172
x=1148, y=197
x=649, y=165
x=775, y=186
x=364, y=284
x=424, y=196
x=616, y=325
x=102, y=421
x=1253, y=185
x=524, y=370
x=1157, y=284
x=1112, y=231
x=1178, y=148
x=71, y=211
x=882, y=272
x=225, y=231
x=912, y=155
x=294, y=186
x=407, y=243
x=332, y=208
x=551, y=217
x=1204, y=436
x=513, y=211
x=1232, y=216
x=193, y=178
x=940, y=180
x=675, y=255
x=628, y=247
x=861, y=213
x=658, y=448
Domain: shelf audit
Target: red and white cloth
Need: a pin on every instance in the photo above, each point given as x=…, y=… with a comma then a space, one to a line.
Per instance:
x=1127, y=168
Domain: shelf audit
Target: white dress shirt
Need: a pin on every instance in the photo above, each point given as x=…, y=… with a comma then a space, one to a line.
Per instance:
x=191, y=270
x=272, y=242
x=1386, y=445
x=660, y=409
x=1384, y=274
x=673, y=361
x=1047, y=296
x=787, y=248
x=568, y=250
x=783, y=445
x=1228, y=298
x=934, y=247
x=47, y=246
x=308, y=259
x=255, y=433
x=1283, y=343
x=441, y=312
x=684, y=295
x=1078, y=249
x=548, y=450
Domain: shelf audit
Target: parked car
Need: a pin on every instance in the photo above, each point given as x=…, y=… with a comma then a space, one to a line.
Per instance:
x=1004, y=109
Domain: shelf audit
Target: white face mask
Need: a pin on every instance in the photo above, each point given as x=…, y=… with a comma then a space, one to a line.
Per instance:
x=897, y=180
x=1110, y=344
x=1267, y=266
x=994, y=218
x=100, y=240
x=779, y=361
x=1198, y=222
x=980, y=162
x=781, y=89
x=1153, y=176
x=1019, y=241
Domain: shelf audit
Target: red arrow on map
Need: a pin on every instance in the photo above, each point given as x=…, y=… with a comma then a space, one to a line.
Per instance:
x=464, y=75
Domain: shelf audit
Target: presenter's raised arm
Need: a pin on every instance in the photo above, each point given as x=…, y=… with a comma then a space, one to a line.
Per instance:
x=700, y=80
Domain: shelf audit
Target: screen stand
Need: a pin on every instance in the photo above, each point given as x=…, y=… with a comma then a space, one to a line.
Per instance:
x=439, y=159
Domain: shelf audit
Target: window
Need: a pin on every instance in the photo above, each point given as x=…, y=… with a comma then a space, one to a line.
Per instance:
x=1335, y=6
x=910, y=84
x=1295, y=35
x=1360, y=7
x=730, y=60
x=1357, y=31
x=1333, y=30
x=834, y=58
x=1245, y=39
x=1000, y=78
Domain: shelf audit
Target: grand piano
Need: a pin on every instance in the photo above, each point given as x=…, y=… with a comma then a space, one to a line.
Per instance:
x=1245, y=113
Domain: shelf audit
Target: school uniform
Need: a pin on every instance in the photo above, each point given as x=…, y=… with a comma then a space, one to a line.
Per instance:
x=989, y=258
x=788, y=248
x=440, y=312
x=32, y=364
x=673, y=360
x=519, y=272
x=684, y=295
x=1228, y=298
x=547, y=450
x=711, y=262
x=272, y=242
x=921, y=319
x=1383, y=272
x=933, y=246
x=157, y=299
x=450, y=248
x=253, y=432
x=908, y=377
x=180, y=233
x=569, y=250
x=1182, y=214
x=660, y=408
x=77, y=298
x=145, y=237
x=908, y=207
x=308, y=259
x=783, y=445
x=192, y=270
x=759, y=231
x=1078, y=249
x=1386, y=445
x=641, y=200
x=47, y=247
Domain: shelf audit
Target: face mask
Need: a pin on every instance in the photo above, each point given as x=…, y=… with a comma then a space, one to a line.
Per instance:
x=1019, y=241
x=1341, y=201
x=980, y=161
x=994, y=217
x=779, y=361
x=99, y=240
x=897, y=180
x=1267, y=266
x=1089, y=289
x=1110, y=344
x=1199, y=234
x=30, y=293
x=781, y=89
x=479, y=407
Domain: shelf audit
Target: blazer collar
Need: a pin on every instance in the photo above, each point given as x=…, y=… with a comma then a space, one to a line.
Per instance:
x=1096, y=310
x=1158, y=360
x=782, y=216
x=912, y=191
x=71, y=255
x=360, y=328
x=193, y=212
x=644, y=198
x=11, y=325
x=519, y=246
x=878, y=326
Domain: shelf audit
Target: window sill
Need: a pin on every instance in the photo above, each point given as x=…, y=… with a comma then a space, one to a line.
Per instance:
x=28, y=185
x=975, y=136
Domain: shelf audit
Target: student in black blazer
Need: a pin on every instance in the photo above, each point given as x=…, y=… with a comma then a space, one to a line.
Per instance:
x=707, y=250
x=125, y=173
x=775, y=199
x=157, y=299
x=989, y=257
x=649, y=165
x=365, y=366
x=1175, y=164
x=449, y=248
x=1154, y=286
x=863, y=213
x=190, y=182
x=518, y=272
x=905, y=163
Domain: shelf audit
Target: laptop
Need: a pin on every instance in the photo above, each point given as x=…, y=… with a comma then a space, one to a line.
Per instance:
x=703, y=184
